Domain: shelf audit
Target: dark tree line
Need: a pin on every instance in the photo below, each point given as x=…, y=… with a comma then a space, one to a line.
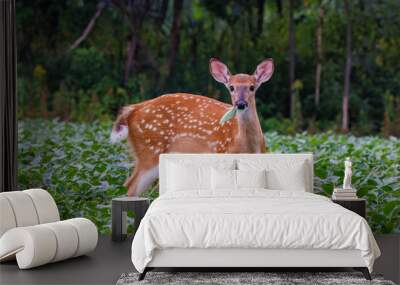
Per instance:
x=336, y=61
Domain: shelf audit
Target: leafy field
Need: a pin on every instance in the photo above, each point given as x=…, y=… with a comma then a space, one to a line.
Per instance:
x=83, y=171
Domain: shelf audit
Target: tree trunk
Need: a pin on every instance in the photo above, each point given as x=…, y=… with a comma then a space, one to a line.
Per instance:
x=347, y=75
x=90, y=25
x=163, y=12
x=135, y=13
x=130, y=56
x=44, y=94
x=279, y=7
x=174, y=38
x=319, y=56
x=292, y=59
x=193, y=46
x=260, y=16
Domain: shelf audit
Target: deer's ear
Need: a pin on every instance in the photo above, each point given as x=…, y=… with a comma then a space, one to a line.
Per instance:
x=264, y=71
x=219, y=71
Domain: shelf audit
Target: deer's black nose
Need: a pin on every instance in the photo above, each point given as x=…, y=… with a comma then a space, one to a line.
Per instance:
x=241, y=105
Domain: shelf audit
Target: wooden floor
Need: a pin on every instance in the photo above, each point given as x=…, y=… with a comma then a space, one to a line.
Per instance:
x=103, y=266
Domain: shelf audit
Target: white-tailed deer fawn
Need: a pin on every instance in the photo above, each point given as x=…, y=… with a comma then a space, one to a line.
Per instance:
x=182, y=122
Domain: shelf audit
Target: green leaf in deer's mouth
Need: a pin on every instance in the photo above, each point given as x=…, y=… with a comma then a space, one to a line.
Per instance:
x=228, y=115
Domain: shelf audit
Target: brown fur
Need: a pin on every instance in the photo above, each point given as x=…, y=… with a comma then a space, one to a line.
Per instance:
x=182, y=122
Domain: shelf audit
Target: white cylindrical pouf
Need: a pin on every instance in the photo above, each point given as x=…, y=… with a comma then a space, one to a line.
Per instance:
x=45, y=205
x=23, y=208
x=33, y=246
x=87, y=234
x=67, y=240
x=31, y=232
x=37, y=245
x=7, y=218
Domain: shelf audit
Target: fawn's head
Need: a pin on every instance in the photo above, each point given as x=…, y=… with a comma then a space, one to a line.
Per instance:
x=242, y=87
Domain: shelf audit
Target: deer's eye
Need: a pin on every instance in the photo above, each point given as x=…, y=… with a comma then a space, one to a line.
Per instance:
x=231, y=88
x=252, y=88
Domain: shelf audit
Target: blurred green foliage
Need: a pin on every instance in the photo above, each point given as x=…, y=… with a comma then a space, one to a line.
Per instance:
x=87, y=83
x=376, y=170
x=76, y=163
x=79, y=91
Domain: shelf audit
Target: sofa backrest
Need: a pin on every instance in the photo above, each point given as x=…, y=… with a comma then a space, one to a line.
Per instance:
x=26, y=208
x=277, y=163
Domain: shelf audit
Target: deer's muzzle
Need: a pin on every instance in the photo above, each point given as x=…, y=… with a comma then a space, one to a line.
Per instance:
x=241, y=105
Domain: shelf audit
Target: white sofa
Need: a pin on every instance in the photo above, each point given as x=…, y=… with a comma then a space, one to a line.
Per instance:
x=31, y=231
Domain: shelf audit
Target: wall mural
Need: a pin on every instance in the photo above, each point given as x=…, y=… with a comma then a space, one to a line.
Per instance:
x=182, y=122
x=81, y=62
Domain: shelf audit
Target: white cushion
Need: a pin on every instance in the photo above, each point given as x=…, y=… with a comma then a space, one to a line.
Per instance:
x=223, y=179
x=26, y=208
x=176, y=170
x=7, y=218
x=181, y=177
x=32, y=246
x=251, y=178
x=45, y=205
x=23, y=208
x=66, y=237
x=87, y=233
x=228, y=161
x=290, y=175
x=40, y=244
x=226, y=179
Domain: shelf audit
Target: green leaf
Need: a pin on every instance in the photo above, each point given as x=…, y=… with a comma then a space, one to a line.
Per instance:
x=228, y=115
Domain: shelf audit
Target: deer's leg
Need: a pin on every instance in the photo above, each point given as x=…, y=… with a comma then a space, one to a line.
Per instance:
x=146, y=178
x=130, y=181
x=141, y=178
